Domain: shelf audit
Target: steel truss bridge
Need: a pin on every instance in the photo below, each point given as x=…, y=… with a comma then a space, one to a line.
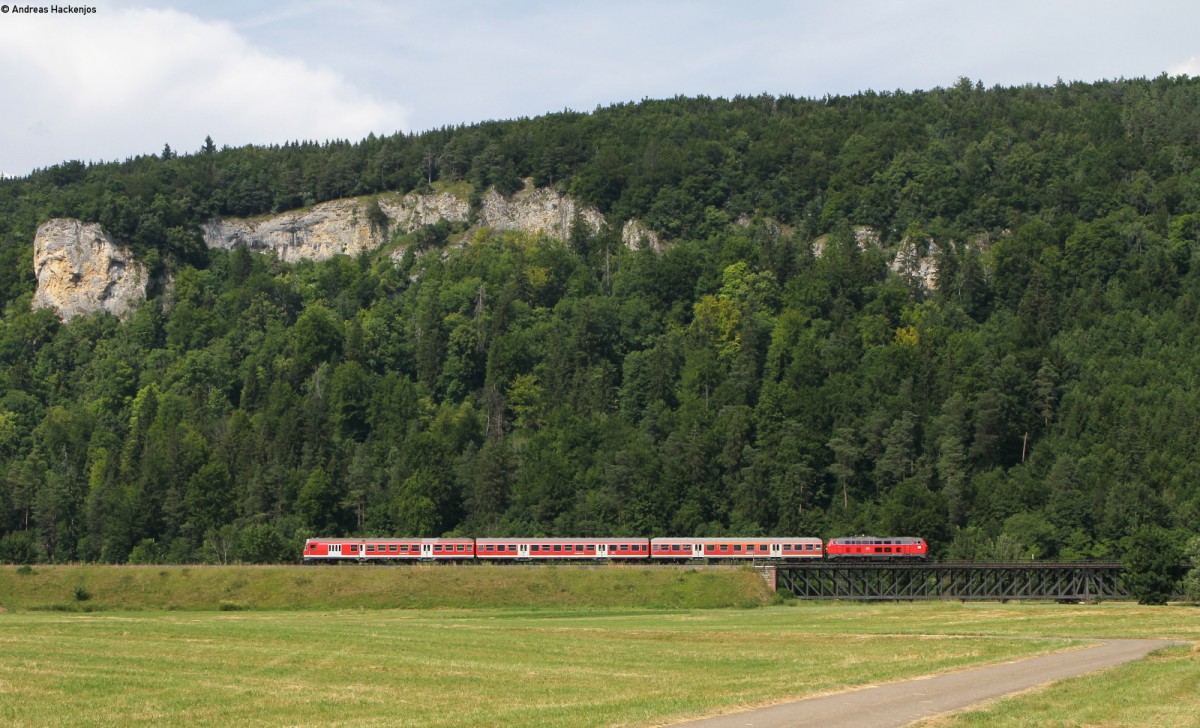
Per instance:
x=895, y=581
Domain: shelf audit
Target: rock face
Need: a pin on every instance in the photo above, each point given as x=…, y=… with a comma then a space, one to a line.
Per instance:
x=915, y=261
x=350, y=226
x=80, y=270
x=326, y=230
x=637, y=236
x=537, y=211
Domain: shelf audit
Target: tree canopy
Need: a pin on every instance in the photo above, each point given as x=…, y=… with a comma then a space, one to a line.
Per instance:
x=774, y=370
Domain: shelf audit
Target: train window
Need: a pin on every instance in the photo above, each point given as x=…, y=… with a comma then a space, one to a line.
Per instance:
x=724, y=547
x=887, y=549
x=371, y=547
x=675, y=547
x=557, y=547
x=460, y=547
x=591, y=549
x=737, y=547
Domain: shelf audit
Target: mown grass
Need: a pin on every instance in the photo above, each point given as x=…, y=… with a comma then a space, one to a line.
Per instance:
x=58, y=588
x=571, y=648
x=446, y=667
x=1160, y=690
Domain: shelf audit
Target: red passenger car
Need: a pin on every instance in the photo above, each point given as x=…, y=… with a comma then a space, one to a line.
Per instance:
x=774, y=547
x=870, y=547
x=318, y=550
x=560, y=549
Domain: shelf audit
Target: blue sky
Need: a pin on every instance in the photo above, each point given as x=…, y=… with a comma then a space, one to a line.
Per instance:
x=135, y=75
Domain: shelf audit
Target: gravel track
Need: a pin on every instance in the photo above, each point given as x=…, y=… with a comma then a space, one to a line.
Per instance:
x=898, y=704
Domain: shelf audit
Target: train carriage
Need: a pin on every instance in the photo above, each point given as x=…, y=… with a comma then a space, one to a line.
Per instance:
x=871, y=547
x=777, y=548
x=317, y=550
x=560, y=549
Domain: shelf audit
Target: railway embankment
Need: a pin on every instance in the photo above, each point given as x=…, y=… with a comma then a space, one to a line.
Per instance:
x=87, y=588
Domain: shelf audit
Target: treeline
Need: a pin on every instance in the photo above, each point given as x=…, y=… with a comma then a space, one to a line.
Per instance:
x=768, y=373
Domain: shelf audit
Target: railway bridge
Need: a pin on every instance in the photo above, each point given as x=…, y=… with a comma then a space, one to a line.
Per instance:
x=895, y=581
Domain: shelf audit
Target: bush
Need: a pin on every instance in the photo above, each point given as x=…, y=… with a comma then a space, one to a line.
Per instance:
x=1152, y=565
x=18, y=547
x=262, y=543
x=1191, y=583
x=146, y=552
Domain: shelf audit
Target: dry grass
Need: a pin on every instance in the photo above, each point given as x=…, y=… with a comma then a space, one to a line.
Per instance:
x=443, y=668
x=1160, y=690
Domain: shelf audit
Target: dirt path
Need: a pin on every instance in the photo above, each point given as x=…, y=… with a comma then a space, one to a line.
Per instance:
x=898, y=704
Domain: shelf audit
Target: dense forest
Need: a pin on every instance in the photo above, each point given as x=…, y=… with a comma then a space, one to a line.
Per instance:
x=768, y=372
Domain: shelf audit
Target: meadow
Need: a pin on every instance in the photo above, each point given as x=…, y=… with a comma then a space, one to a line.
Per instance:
x=567, y=664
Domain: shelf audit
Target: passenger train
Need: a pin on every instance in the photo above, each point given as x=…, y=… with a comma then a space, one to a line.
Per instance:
x=645, y=550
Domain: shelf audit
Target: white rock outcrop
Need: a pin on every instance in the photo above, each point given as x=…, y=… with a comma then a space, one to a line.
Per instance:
x=348, y=227
x=318, y=233
x=915, y=263
x=637, y=236
x=80, y=270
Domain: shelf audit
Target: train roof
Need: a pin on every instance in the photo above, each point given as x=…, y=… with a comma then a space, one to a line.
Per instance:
x=565, y=539
x=876, y=539
x=390, y=539
x=739, y=539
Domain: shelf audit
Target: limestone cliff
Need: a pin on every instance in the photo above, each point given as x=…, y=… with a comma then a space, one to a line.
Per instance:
x=916, y=261
x=352, y=226
x=81, y=270
x=321, y=232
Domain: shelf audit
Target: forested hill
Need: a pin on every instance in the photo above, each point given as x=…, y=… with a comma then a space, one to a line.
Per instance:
x=773, y=370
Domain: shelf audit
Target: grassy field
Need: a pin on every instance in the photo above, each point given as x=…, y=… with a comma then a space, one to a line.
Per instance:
x=101, y=588
x=560, y=661
x=1160, y=690
x=447, y=667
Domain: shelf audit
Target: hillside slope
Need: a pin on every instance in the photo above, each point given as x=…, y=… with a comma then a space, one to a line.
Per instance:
x=968, y=314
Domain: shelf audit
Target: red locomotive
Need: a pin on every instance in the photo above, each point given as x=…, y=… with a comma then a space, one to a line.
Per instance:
x=870, y=547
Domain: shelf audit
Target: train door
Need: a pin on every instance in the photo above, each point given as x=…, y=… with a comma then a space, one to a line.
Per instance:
x=602, y=551
x=777, y=551
x=427, y=551
x=522, y=551
x=697, y=551
x=335, y=550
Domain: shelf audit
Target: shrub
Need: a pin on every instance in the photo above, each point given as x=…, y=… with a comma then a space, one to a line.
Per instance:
x=146, y=552
x=1152, y=567
x=18, y=547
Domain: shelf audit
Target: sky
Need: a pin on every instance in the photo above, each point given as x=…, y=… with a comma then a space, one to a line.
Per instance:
x=132, y=76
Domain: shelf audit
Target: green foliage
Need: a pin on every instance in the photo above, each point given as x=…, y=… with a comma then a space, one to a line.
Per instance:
x=146, y=552
x=1191, y=582
x=18, y=547
x=1152, y=565
x=776, y=369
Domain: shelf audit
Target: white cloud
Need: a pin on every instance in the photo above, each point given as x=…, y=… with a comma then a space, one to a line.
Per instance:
x=1190, y=67
x=125, y=81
